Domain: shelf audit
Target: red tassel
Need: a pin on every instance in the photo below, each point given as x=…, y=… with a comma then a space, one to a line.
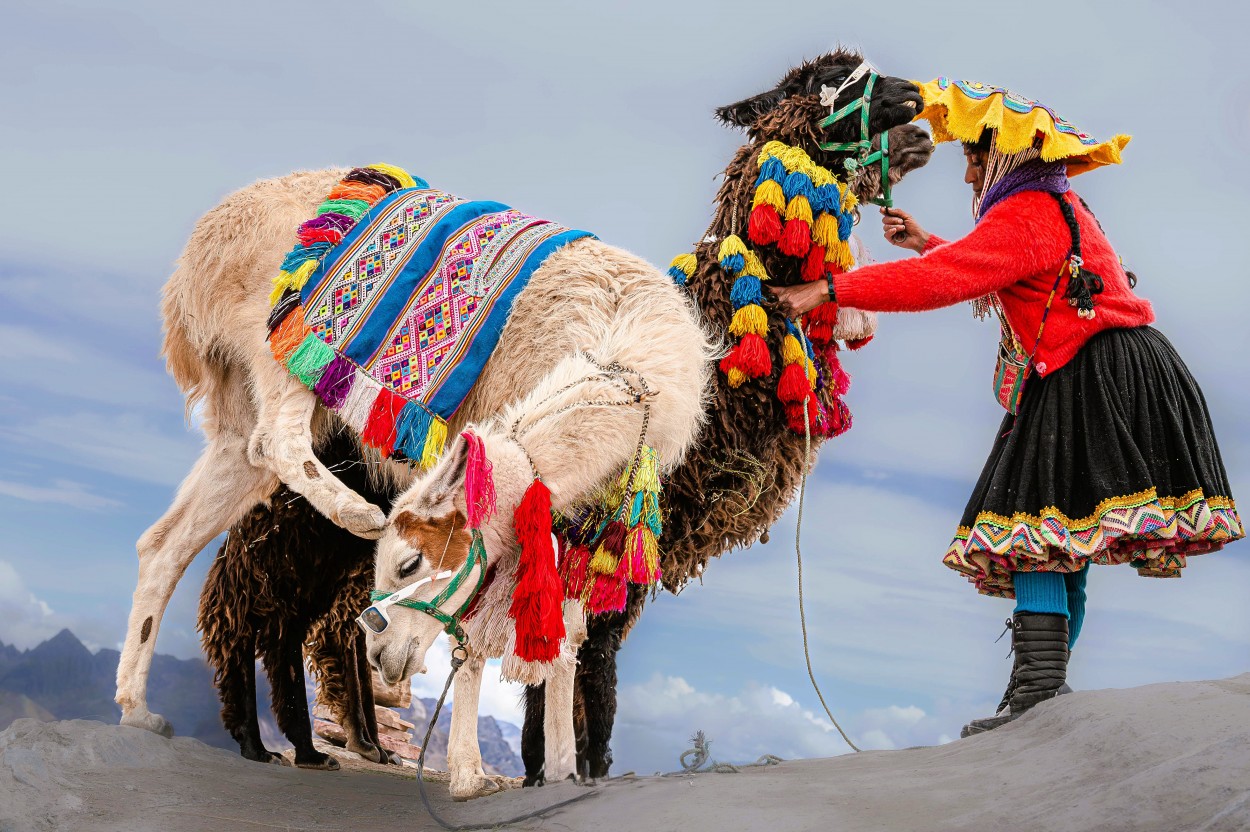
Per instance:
x=819, y=333
x=321, y=235
x=379, y=429
x=858, y=343
x=794, y=414
x=839, y=379
x=764, y=225
x=793, y=386
x=608, y=594
x=796, y=239
x=839, y=418
x=753, y=357
x=538, y=596
x=574, y=564
x=827, y=313
x=814, y=264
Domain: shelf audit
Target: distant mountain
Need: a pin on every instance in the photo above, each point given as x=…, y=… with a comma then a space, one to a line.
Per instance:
x=62, y=679
x=65, y=680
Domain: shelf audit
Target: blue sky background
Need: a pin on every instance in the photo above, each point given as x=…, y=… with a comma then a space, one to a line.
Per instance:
x=123, y=123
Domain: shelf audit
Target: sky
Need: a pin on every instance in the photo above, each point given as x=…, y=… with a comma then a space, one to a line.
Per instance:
x=124, y=122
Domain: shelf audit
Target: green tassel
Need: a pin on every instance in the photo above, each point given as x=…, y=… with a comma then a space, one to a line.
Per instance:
x=310, y=359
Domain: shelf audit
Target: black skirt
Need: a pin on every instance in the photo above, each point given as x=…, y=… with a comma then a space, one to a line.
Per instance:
x=1112, y=459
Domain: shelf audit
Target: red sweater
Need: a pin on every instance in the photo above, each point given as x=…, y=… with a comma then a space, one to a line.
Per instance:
x=1015, y=250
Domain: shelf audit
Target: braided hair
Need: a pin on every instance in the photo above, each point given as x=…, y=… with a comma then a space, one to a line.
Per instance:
x=1083, y=284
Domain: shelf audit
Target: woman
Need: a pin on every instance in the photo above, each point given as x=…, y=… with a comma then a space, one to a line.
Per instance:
x=1107, y=454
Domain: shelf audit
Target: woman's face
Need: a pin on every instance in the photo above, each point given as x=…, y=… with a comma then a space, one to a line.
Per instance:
x=975, y=174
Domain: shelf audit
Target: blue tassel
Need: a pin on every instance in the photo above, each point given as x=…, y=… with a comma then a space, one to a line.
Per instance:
x=679, y=277
x=772, y=169
x=745, y=291
x=846, y=223
x=296, y=256
x=410, y=430
x=733, y=263
x=828, y=199
x=798, y=184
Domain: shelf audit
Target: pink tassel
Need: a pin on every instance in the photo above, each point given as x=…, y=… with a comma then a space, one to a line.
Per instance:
x=479, y=482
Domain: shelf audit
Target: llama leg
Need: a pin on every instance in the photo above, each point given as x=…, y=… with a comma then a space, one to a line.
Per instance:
x=283, y=443
x=464, y=755
x=560, y=758
x=219, y=489
x=245, y=726
x=285, y=666
x=359, y=720
x=532, y=751
x=596, y=676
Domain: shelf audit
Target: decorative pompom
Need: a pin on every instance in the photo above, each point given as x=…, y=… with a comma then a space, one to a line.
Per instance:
x=794, y=415
x=754, y=266
x=799, y=184
x=746, y=291
x=796, y=238
x=732, y=255
x=858, y=343
x=839, y=417
x=479, y=482
x=813, y=264
x=819, y=333
x=537, y=599
x=846, y=224
x=574, y=568
x=794, y=385
x=751, y=318
x=379, y=429
x=772, y=168
x=643, y=554
x=753, y=357
x=735, y=377
x=799, y=209
x=828, y=199
x=825, y=229
x=611, y=545
x=839, y=379
x=769, y=193
x=682, y=268
x=608, y=594
x=764, y=225
x=840, y=254
x=792, y=351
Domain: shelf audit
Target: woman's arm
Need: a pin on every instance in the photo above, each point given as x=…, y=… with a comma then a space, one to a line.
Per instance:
x=1018, y=238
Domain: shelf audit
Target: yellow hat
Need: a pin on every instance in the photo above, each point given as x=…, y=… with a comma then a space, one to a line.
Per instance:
x=962, y=110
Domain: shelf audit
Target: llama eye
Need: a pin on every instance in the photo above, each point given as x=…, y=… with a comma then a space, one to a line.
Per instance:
x=409, y=566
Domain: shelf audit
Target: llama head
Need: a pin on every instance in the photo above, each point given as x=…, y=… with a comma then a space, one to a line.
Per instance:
x=791, y=112
x=428, y=539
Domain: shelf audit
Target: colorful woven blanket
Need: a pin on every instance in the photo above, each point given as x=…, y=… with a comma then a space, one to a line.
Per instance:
x=394, y=299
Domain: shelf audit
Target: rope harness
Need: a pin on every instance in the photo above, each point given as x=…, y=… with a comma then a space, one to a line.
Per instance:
x=863, y=147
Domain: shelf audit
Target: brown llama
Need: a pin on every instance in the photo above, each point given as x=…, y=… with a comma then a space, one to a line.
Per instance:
x=285, y=581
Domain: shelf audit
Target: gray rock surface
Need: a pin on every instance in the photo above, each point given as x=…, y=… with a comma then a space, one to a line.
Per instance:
x=1155, y=759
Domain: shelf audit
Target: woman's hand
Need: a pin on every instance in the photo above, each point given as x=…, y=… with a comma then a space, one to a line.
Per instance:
x=903, y=231
x=795, y=300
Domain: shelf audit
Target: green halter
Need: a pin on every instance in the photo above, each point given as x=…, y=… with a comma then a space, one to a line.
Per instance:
x=450, y=622
x=864, y=146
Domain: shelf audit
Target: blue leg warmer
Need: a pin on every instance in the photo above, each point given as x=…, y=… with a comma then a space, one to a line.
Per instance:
x=1040, y=592
x=1075, y=585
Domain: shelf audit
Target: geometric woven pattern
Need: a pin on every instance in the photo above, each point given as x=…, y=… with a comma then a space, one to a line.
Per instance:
x=1155, y=534
x=407, y=295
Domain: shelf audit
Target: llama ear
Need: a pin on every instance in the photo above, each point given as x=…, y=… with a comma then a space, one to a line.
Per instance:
x=746, y=112
x=447, y=477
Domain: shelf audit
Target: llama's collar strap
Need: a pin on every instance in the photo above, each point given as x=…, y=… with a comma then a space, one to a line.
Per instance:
x=863, y=148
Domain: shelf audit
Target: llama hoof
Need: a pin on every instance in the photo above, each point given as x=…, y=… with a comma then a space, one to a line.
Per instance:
x=363, y=520
x=263, y=755
x=317, y=760
x=148, y=721
x=372, y=753
x=477, y=785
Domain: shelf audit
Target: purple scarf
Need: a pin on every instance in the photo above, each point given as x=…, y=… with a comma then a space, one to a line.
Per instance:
x=1034, y=175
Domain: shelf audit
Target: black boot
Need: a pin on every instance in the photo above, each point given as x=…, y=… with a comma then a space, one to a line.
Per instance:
x=1040, y=644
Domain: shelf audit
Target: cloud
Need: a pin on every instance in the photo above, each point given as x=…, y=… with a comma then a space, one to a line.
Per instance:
x=25, y=620
x=502, y=700
x=61, y=492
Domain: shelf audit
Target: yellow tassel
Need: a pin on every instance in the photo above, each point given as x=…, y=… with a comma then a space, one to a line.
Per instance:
x=647, y=478
x=405, y=180
x=845, y=258
x=754, y=266
x=773, y=148
x=730, y=246
x=604, y=562
x=292, y=280
x=685, y=263
x=736, y=377
x=650, y=550
x=435, y=439
x=825, y=230
x=792, y=351
x=811, y=371
x=849, y=200
x=799, y=209
x=749, y=319
x=769, y=193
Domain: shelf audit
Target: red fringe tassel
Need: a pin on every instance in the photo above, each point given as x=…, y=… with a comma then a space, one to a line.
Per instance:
x=538, y=597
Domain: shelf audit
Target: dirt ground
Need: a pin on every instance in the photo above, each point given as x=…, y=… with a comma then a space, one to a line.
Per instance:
x=1162, y=757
